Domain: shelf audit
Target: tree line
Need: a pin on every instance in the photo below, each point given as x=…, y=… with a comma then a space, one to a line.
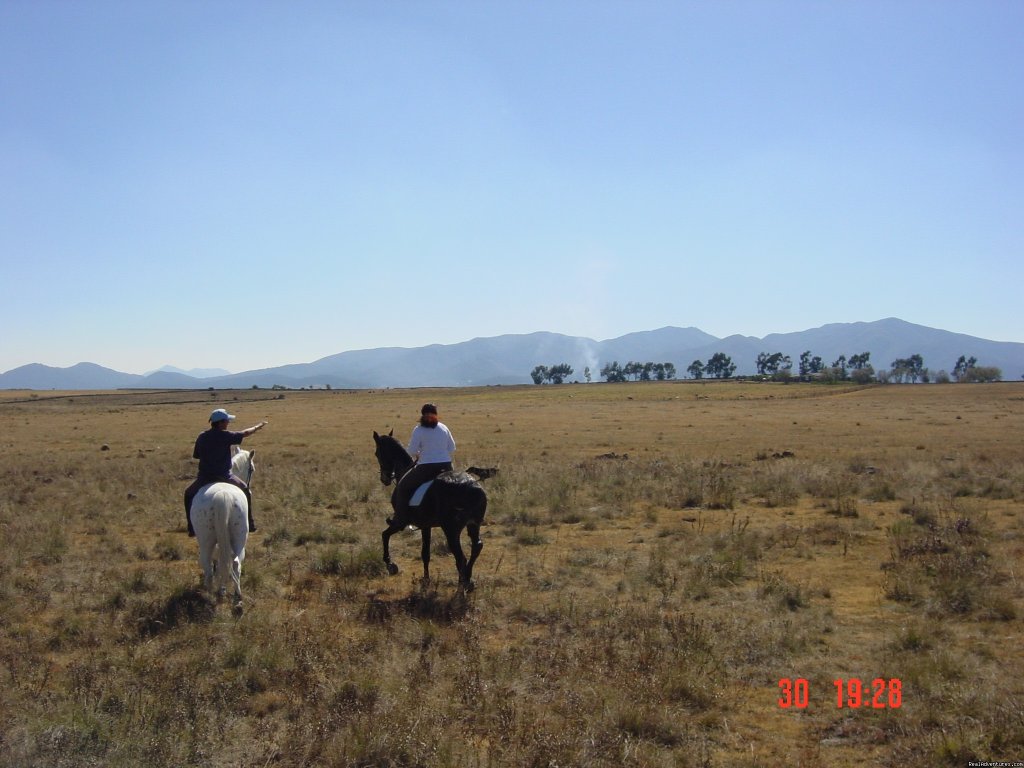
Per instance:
x=638, y=371
x=779, y=367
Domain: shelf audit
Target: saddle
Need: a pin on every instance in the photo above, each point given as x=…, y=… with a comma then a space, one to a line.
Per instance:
x=445, y=478
x=417, y=496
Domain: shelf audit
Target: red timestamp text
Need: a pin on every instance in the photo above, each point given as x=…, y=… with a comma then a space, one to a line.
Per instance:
x=852, y=692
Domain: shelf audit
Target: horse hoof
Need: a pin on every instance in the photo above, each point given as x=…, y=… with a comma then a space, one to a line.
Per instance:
x=392, y=569
x=236, y=610
x=468, y=586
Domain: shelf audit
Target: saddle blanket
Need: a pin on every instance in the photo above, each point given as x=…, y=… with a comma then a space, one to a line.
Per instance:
x=417, y=497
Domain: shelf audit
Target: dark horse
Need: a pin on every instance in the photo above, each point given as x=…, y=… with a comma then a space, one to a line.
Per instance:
x=454, y=501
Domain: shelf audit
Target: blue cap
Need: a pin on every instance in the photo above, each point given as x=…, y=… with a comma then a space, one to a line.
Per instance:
x=220, y=415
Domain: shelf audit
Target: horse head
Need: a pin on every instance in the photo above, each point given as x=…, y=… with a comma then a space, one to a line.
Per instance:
x=392, y=458
x=243, y=464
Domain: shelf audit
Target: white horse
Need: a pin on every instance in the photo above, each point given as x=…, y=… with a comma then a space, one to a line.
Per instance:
x=220, y=517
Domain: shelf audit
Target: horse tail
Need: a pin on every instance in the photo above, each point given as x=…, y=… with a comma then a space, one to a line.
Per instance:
x=221, y=515
x=479, y=507
x=228, y=561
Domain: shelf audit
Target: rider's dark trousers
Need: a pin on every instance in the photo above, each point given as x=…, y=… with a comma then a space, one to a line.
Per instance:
x=411, y=480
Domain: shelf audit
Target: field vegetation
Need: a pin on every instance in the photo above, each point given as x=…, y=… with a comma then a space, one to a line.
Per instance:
x=658, y=556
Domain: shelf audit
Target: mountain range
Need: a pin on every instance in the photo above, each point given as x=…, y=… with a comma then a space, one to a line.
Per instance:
x=509, y=359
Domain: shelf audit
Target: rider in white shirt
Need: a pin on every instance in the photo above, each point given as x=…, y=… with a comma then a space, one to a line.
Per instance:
x=431, y=447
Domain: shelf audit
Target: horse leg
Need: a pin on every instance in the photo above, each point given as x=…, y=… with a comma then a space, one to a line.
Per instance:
x=239, y=535
x=225, y=567
x=236, y=576
x=425, y=553
x=473, y=529
x=206, y=562
x=385, y=539
x=453, y=533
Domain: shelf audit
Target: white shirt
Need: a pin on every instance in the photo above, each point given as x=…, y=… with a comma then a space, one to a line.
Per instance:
x=432, y=445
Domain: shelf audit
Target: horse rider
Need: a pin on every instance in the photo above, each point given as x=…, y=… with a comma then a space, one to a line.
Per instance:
x=213, y=449
x=431, y=447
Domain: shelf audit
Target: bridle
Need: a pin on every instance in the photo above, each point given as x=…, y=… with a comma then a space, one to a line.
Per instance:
x=250, y=467
x=392, y=472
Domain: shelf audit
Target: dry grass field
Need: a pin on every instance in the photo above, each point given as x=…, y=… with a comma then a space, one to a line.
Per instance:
x=658, y=556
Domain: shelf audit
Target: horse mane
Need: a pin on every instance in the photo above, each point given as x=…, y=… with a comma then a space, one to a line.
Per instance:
x=397, y=447
x=394, y=447
x=242, y=458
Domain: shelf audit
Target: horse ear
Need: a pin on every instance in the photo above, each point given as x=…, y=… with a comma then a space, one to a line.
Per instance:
x=252, y=453
x=376, y=437
x=392, y=432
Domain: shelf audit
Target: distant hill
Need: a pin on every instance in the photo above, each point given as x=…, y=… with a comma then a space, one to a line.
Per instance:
x=80, y=376
x=510, y=359
x=195, y=373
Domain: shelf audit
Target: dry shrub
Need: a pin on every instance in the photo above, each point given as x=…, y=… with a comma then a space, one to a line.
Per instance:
x=778, y=485
x=363, y=563
x=726, y=561
x=943, y=562
x=718, y=487
x=785, y=593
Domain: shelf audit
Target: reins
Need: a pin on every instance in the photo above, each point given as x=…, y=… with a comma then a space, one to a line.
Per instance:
x=395, y=458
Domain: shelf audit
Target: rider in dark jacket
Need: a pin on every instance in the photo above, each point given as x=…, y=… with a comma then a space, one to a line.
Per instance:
x=213, y=449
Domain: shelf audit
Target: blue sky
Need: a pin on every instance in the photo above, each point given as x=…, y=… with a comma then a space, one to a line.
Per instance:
x=250, y=184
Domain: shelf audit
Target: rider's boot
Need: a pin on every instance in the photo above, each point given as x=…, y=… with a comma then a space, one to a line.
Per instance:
x=188, y=517
x=248, y=498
